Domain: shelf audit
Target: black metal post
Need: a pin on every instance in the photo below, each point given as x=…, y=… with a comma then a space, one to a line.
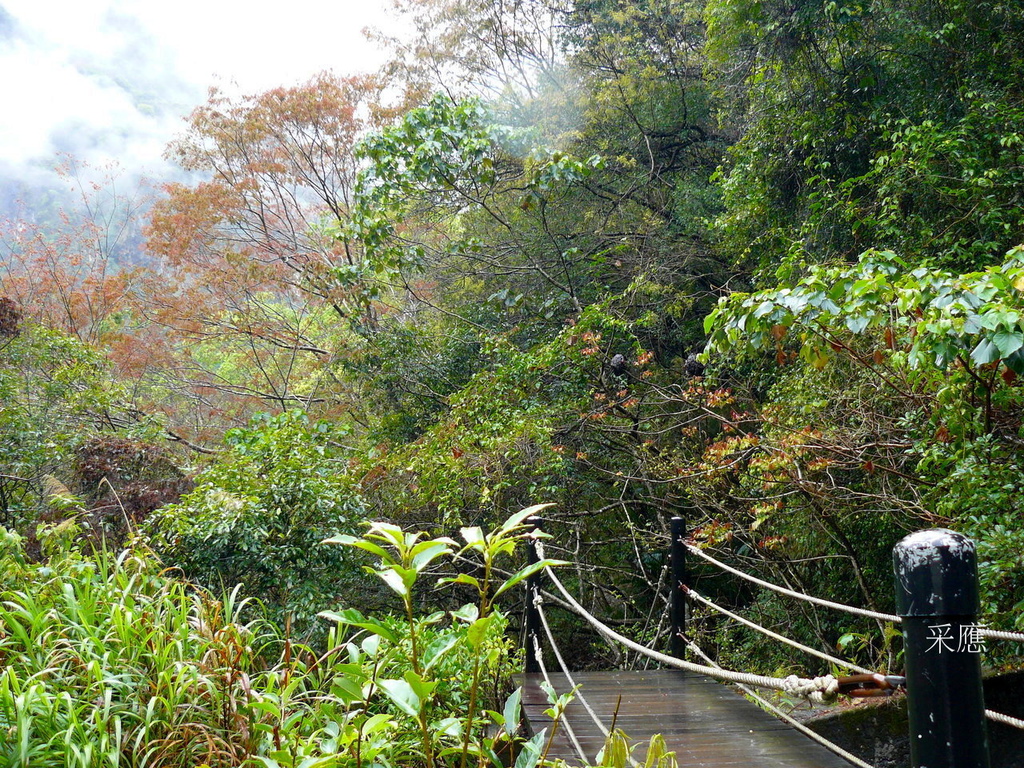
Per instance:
x=937, y=597
x=533, y=627
x=678, y=577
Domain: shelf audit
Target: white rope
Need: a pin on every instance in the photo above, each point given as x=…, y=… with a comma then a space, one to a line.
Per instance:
x=782, y=639
x=564, y=721
x=996, y=634
x=999, y=717
x=538, y=602
x=829, y=745
x=791, y=593
x=565, y=671
x=818, y=689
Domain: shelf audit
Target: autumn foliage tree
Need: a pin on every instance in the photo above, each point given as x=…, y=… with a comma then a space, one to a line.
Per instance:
x=251, y=279
x=74, y=267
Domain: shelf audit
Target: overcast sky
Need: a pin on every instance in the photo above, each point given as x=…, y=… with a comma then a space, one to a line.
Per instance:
x=112, y=79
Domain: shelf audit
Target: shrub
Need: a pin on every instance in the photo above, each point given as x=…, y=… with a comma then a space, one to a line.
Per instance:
x=258, y=515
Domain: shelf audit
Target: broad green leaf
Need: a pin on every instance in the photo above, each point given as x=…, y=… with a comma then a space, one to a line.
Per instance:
x=450, y=726
x=1008, y=341
x=986, y=352
x=526, y=572
x=474, y=536
x=1015, y=362
x=399, y=583
x=369, y=546
x=341, y=539
x=424, y=555
x=354, y=618
x=531, y=750
x=856, y=323
x=371, y=644
x=376, y=723
x=519, y=517
x=478, y=631
x=391, y=533
x=437, y=649
x=462, y=578
x=422, y=688
x=512, y=711
x=972, y=324
x=403, y=696
x=347, y=689
x=467, y=613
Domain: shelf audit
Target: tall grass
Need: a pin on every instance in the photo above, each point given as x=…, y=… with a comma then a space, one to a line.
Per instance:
x=108, y=662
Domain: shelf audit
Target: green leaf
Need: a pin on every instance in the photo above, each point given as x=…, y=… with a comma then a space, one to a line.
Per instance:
x=450, y=726
x=352, y=617
x=389, y=532
x=526, y=572
x=371, y=644
x=615, y=753
x=437, y=649
x=1015, y=362
x=658, y=754
x=478, y=631
x=1008, y=341
x=530, y=753
x=856, y=323
x=986, y=352
x=403, y=696
x=462, y=578
x=422, y=688
x=512, y=711
x=467, y=613
x=376, y=723
x=426, y=552
x=401, y=583
x=369, y=546
x=519, y=517
x=347, y=689
x=972, y=324
x=474, y=537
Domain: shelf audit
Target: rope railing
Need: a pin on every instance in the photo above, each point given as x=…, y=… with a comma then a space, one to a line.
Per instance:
x=791, y=592
x=994, y=634
x=829, y=745
x=933, y=611
x=998, y=634
x=580, y=697
x=999, y=717
x=712, y=665
x=775, y=636
x=563, y=721
x=818, y=689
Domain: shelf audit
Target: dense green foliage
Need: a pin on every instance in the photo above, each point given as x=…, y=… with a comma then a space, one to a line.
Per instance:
x=110, y=661
x=256, y=518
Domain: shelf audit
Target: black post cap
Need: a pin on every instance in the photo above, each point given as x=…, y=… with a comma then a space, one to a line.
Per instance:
x=936, y=574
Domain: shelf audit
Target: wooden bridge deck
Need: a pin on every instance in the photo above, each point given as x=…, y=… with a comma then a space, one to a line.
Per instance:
x=705, y=723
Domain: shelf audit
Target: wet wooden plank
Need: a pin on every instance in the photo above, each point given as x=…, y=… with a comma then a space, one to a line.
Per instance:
x=705, y=723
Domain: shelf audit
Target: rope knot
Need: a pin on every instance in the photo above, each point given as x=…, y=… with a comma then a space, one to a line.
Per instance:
x=820, y=690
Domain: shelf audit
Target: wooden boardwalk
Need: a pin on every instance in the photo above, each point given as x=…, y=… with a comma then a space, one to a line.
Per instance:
x=705, y=723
